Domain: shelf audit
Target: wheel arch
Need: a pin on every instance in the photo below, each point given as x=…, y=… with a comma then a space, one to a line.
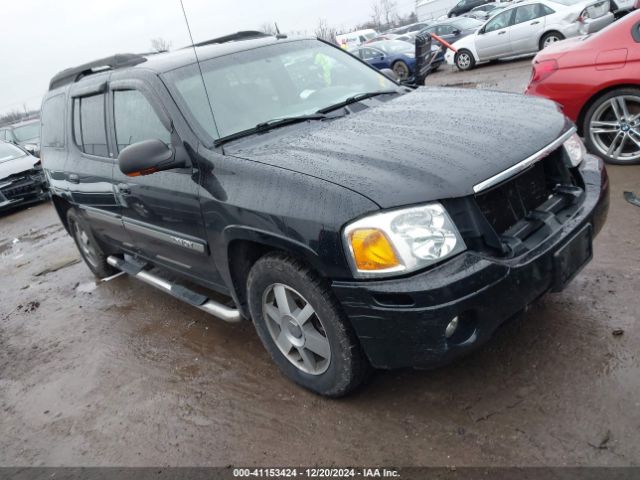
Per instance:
x=547, y=32
x=245, y=246
x=62, y=208
x=595, y=97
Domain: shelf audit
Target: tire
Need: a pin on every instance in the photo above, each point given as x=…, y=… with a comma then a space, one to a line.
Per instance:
x=549, y=38
x=88, y=247
x=464, y=60
x=346, y=366
x=605, y=127
x=401, y=69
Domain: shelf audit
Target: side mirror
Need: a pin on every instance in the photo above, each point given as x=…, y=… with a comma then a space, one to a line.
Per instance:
x=456, y=32
x=390, y=74
x=147, y=157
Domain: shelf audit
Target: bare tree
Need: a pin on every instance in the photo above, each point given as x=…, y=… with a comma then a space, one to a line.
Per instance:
x=160, y=44
x=389, y=12
x=376, y=15
x=325, y=32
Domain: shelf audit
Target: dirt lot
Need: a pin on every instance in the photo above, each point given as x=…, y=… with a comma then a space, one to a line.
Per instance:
x=121, y=374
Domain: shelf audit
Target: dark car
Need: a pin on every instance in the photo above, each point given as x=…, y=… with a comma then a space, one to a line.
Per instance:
x=454, y=29
x=22, y=180
x=485, y=12
x=463, y=6
x=26, y=134
x=356, y=222
x=414, y=27
x=396, y=55
x=392, y=54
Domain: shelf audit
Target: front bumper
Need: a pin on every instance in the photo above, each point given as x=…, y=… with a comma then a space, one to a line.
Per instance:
x=23, y=191
x=401, y=322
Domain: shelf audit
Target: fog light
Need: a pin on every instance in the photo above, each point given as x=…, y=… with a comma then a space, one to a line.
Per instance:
x=451, y=328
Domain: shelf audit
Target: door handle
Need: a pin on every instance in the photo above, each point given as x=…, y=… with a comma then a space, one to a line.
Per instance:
x=502, y=32
x=73, y=178
x=124, y=189
x=534, y=23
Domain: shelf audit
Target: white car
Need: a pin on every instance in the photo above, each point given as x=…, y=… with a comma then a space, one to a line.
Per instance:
x=526, y=27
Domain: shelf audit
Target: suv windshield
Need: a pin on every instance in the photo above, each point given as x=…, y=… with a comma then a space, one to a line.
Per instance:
x=27, y=132
x=9, y=152
x=277, y=81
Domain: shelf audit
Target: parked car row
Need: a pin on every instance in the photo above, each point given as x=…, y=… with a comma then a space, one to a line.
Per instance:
x=526, y=27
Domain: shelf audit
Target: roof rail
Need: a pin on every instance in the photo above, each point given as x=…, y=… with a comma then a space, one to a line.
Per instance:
x=234, y=37
x=72, y=75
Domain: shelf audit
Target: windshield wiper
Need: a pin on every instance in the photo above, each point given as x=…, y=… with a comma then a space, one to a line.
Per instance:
x=357, y=98
x=274, y=123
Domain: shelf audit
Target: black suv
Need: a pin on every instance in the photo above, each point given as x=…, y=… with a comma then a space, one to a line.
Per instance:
x=308, y=189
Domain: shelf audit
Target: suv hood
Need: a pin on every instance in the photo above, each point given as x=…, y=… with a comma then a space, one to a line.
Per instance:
x=17, y=165
x=430, y=144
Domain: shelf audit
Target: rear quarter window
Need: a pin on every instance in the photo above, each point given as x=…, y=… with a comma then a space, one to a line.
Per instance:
x=89, y=127
x=52, y=122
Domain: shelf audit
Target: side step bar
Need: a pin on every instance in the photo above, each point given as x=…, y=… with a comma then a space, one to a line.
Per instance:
x=189, y=296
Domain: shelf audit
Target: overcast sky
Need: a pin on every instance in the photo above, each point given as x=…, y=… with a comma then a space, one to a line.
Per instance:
x=38, y=38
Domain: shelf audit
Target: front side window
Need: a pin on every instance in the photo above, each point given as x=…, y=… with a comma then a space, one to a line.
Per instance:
x=136, y=120
x=89, y=125
x=52, y=119
x=444, y=30
x=276, y=81
x=500, y=21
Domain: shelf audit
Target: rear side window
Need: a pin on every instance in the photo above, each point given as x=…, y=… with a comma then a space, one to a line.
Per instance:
x=136, y=120
x=89, y=129
x=52, y=122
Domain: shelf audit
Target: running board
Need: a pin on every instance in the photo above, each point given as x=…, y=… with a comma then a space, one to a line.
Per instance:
x=178, y=291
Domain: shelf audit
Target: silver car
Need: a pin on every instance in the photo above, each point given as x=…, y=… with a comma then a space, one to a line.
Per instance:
x=524, y=28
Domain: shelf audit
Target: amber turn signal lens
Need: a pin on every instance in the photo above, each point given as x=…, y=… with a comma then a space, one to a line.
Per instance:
x=372, y=250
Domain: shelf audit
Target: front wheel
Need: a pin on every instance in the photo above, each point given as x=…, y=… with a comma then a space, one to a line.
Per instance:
x=302, y=327
x=549, y=39
x=612, y=126
x=464, y=60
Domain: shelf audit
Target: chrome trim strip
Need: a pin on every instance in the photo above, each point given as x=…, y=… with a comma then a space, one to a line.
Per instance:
x=167, y=236
x=181, y=265
x=523, y=165
x=97, y=214
x=216, y=309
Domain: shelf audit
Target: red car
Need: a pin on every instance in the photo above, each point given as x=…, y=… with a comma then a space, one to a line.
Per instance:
x=596, y=79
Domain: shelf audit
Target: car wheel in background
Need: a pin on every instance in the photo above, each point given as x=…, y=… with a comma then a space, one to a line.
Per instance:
x=612, y=126
x=464, y=60
x=401, y=69
x=549, y=38
x=89, y=248
x=303, y=328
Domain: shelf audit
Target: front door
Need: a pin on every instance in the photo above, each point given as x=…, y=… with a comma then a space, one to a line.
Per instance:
x=493, y=41
x=161, y=211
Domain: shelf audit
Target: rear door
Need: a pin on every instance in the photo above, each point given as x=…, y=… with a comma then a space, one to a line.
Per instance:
x=161, y=211
x=528, y=26
x=90, y=161
x=493, y=41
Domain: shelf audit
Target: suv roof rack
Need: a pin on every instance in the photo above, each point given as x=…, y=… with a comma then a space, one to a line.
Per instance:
x=72, y=75
x=234, y=37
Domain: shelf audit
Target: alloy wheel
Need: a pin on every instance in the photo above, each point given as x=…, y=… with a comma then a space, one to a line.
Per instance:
x=550, y=40
x=464, y=60
x=296, y=329
x=615, y=128
x=401, y=70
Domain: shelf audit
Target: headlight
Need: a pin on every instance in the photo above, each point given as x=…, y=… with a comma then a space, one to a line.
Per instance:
x=401, y=241
x=575, y=150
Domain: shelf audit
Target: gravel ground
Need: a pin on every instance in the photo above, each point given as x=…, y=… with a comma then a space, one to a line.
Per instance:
x=117, y=373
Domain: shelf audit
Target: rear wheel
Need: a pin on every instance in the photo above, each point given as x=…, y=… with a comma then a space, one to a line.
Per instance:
x=464, y=60
x=302, y=327
x=401, y=69
x=89, y=248
x=612, y=126
x=550, y=38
